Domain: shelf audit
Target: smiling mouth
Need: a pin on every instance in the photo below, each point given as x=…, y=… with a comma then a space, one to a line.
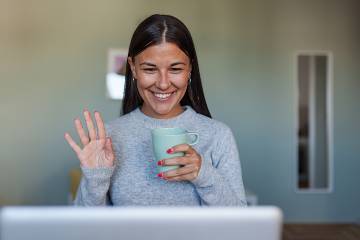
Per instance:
x=163, y=96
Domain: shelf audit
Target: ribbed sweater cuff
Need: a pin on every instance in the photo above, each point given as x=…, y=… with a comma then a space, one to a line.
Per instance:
x=101, y=173
x=206, y=175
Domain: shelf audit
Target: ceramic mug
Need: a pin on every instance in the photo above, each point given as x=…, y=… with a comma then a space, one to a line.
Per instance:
x=165, y=138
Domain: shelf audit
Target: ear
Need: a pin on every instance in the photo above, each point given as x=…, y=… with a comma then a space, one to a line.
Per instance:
x=132, y=66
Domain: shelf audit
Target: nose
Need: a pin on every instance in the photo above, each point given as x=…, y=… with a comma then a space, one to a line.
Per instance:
x=163, y=82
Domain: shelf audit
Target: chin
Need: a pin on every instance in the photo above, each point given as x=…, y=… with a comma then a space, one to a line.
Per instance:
x=162, y=110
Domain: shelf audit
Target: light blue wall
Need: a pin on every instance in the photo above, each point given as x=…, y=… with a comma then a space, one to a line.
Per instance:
x=53, y=63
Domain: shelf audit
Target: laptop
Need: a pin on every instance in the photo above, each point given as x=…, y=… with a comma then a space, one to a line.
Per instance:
x=125, y=223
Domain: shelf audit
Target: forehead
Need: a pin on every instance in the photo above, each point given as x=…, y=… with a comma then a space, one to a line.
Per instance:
x=162, y=53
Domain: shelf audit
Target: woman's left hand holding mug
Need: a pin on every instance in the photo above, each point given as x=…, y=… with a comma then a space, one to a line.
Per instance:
x=190, y=164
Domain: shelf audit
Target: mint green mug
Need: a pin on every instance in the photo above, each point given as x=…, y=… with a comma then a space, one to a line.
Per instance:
x=165, y=138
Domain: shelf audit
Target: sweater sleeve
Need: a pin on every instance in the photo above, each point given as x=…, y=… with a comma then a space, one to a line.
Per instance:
x=219, y=182
x=94, y=187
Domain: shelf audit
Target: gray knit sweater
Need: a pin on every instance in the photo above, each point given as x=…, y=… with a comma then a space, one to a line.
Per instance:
x=133, y=181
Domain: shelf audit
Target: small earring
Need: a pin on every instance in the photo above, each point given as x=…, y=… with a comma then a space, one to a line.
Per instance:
x=189, y=80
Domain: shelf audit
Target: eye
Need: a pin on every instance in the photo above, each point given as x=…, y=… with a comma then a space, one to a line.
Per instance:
x=176, y=70
x=149, y=70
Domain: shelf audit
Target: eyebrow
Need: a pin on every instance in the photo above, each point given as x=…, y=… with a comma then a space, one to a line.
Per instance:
x=148, y=64
x=177, y=63
x=154, y=65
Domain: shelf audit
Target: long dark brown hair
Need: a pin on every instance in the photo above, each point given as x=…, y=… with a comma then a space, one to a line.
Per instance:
x=150, y=32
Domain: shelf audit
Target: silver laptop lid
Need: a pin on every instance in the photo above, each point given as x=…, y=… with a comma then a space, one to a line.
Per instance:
x=72, y=223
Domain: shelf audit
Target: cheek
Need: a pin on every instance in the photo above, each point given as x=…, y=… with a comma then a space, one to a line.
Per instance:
x=145, y=82
x=180, y=81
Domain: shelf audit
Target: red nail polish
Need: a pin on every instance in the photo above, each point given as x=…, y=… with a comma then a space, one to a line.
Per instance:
x=170, y=150
x=159, y=163
x=160, y=175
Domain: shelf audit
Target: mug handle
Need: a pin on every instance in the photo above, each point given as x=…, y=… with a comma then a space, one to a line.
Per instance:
x=196, y=138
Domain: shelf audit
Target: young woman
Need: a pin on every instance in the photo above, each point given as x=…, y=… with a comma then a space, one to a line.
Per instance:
x=163, y=89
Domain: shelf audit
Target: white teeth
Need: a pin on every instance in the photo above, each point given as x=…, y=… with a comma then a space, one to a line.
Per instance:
x=162, y=95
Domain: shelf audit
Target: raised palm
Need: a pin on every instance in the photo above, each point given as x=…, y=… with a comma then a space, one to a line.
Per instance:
x=97, y=149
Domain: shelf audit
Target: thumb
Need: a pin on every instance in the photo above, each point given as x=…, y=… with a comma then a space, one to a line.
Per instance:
x=109, y=152
x=108, y=145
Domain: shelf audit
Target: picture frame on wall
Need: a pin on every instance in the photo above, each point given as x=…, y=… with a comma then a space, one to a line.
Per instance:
x=115, y=76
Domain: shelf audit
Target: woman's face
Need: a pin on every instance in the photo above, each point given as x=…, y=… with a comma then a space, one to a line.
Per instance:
x=162, y=72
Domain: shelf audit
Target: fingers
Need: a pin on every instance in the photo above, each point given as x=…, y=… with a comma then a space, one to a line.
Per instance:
x=181, y=148
x=72, y=144
x=179, y=171
x=90, y=125
x=80, y=130
x=84, y=138
x=188, y=172
x=100, y=125
x=175, y=161
x=186, y=177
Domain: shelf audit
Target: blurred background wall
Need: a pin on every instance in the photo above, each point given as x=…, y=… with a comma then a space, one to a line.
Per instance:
x=53, y=64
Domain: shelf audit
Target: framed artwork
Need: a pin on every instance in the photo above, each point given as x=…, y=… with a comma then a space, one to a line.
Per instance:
x=115, y=76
